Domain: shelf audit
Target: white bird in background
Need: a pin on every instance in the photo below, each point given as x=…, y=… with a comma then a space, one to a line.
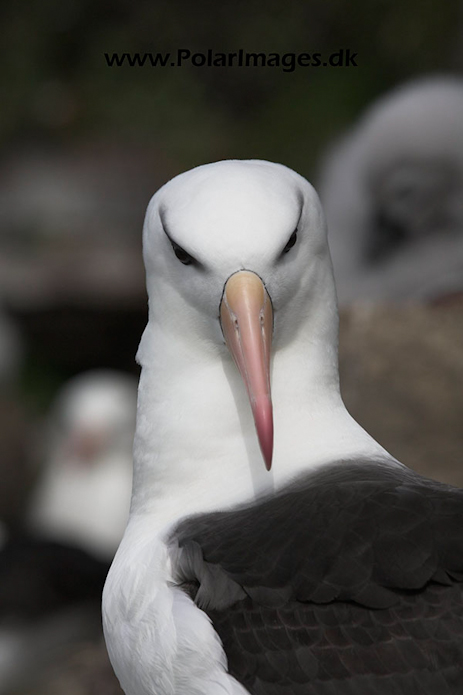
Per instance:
x=52, y=575
x=330, y=569
x=392, y=190
x=83, y=495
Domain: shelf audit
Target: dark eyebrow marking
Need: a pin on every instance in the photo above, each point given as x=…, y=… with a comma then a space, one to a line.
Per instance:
x=182, y=254
x=293, y=236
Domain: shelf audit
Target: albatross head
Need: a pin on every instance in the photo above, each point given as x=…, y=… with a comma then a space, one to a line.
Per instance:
x=236, y=254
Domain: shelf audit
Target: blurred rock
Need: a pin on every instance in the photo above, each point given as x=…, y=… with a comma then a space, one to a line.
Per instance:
x=71, y=222
x=71, y=268
x=402, y=379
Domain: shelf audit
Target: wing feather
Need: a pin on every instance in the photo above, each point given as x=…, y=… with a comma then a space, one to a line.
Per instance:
x=352, y=577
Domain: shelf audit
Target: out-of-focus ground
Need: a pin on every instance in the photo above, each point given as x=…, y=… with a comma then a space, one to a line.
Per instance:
x=84, y=670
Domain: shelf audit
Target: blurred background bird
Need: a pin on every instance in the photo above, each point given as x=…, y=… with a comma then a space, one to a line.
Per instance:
x=82, y=496
x=85, y=145
x=393, y=195
x=52, y=570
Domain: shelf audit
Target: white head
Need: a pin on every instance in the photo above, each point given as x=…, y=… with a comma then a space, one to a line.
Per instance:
x=94, y=417
x=229, y=216
x=202, y=229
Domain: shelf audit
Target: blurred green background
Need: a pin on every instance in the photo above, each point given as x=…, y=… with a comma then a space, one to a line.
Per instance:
x=57, y=87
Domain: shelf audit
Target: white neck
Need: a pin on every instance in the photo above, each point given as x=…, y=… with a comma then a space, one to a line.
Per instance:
x=196, y=448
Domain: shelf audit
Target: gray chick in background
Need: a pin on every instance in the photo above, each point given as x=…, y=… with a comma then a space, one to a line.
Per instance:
x=392, y=189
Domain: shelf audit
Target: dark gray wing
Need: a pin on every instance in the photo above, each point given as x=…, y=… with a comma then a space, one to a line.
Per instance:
x=348, y=581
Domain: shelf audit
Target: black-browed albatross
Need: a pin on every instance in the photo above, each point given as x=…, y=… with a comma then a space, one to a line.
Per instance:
x=332, y=568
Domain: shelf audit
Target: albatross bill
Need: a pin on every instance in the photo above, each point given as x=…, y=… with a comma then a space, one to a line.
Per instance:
x=247, y=322
x=331, y=569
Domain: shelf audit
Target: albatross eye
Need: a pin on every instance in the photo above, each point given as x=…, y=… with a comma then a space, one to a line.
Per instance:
x=182, y=255
x=291, y=241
